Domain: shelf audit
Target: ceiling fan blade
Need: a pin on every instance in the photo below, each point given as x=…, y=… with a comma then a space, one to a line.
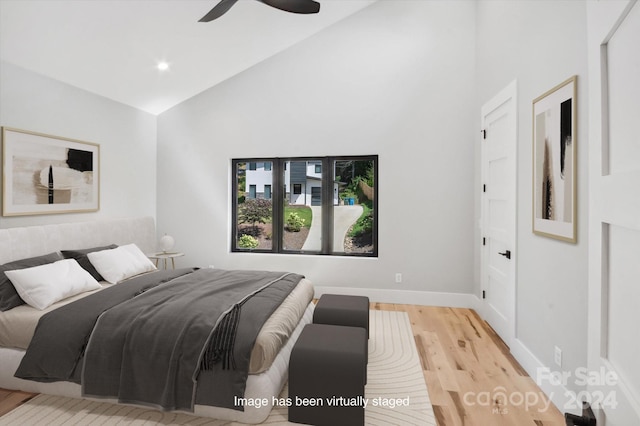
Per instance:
x=294, y=6
x=218, y=10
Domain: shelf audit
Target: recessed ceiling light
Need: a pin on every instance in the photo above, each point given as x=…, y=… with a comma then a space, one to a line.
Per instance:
x=163, y=66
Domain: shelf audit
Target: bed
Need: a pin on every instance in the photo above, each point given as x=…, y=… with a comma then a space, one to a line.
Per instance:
x=269, y=361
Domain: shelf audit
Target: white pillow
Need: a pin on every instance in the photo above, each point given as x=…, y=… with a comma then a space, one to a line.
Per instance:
x=121, y=263
x=41, y=286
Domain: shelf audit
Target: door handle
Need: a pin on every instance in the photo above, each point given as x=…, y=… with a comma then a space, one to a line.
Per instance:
x=506, y=254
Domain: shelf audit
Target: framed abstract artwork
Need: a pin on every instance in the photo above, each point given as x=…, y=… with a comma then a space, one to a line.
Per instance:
x=554, y=162
x=44, y=174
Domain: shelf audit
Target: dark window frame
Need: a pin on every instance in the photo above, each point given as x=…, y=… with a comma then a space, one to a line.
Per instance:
x=278, y=194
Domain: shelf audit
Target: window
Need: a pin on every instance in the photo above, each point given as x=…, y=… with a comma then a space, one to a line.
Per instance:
x=252, y=166
x=290, y=196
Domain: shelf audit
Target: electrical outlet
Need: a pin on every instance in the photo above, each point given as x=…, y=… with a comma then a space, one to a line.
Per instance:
x=557, y=356
x=398, y=277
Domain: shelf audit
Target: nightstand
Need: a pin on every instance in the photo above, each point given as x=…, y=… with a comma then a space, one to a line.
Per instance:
x=165, y=256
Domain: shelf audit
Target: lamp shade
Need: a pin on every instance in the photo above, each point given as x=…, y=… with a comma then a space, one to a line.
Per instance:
x=166, y=243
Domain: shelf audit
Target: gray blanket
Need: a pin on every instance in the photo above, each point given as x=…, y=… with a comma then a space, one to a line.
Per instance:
x=56, y=349
x=150, y=349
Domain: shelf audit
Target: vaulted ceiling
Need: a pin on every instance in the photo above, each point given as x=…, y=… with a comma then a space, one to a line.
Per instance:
x=112, y=47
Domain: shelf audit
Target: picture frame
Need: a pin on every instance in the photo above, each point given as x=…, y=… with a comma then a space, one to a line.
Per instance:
x=555, y=162
x=45, y=174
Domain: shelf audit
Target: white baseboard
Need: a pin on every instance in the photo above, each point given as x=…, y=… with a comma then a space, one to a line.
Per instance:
x=547, y=378
x=407, y=297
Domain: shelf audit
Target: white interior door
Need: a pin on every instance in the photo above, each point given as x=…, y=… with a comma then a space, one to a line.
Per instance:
x=498, y=221
x=614, y=212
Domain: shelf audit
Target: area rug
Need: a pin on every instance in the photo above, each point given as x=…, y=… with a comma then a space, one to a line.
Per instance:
x=396, y=391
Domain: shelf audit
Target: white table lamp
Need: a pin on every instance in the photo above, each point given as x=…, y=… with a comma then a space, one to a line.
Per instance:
x=166, y=243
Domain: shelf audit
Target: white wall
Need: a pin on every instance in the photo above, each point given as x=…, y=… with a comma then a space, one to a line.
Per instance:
x=127, y=139
x=541, y=44
x=398, y=80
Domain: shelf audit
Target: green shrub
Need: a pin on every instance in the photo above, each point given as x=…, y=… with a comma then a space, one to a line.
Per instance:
x=369, y=178
x=247, y=241
x=364, y=224
x=294, y=222
x=254, y=211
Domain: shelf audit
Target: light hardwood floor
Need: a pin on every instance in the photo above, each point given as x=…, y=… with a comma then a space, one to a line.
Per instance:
x=471, y=377
x=11, y=399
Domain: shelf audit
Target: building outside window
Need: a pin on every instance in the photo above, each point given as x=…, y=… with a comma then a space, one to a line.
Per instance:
x=278, y=201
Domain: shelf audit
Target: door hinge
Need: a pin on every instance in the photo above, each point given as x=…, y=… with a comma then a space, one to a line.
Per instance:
x=484, y=241
x=484, y=294
x=484, y=133
x=484, y=188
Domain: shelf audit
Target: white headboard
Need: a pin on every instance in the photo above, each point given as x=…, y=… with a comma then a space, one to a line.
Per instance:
x=21, y=243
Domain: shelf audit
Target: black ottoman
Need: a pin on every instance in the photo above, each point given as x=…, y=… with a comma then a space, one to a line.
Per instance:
x=342, y=310
x=327, y=374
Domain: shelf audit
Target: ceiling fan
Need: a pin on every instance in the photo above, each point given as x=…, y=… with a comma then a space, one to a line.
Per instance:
x=293, y=6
